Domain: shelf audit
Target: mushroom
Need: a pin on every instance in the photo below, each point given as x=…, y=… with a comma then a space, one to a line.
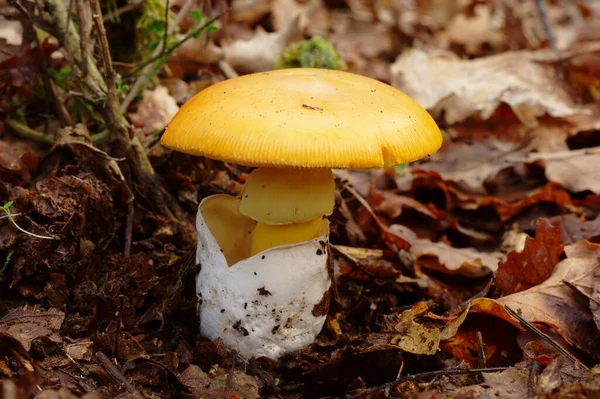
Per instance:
x=264, y=279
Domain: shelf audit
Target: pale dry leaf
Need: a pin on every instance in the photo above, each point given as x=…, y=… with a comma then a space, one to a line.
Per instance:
x=154, y=112
x=575, y=173
x=262, y=51
x=464, y=261
x=312, y=16
x=421, y=333
x=26, y=324
x=575, y=228
x=442, y=257
x=471, y=165
x=473, y=32
x=82, y=349
x=11, y=31
x=511, y=383
x=201, y=50
x=554, y=302
x=223, y=384
x=595, y=298
x=250, y=11
x=462, y=89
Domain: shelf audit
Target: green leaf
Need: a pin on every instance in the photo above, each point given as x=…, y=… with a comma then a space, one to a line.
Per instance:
x=196, y=15
x=157, y=26
x=212, y=27
x=8, y=205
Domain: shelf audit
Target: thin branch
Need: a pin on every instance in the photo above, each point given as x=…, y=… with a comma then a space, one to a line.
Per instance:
x=28, y=133
x=428, y=374
x=116, y=374
x=545, y=337
x=543, y=12
x=122, y=10
x=156, y=54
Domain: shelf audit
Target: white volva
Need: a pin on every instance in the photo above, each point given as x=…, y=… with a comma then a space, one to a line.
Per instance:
x=265, y=305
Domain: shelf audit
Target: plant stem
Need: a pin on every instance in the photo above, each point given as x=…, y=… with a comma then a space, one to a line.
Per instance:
x=28, y=133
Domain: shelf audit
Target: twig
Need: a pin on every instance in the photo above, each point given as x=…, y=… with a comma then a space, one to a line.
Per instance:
x=85, y=31
x=533, y=370
x=428, y=374
x=115, y=373
x=543, y=11
x=481, y=361
x=28, y=133
x=122, y=10
x=156, y=54
x=105, y=49
x=545, y=337
x=128, y=230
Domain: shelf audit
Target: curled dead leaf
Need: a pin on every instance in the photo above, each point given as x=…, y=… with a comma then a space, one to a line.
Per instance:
x=462, y=89
x=554, y=303
x=534, y=264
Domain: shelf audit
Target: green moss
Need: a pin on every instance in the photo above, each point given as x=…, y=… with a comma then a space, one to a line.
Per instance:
x=313, y=53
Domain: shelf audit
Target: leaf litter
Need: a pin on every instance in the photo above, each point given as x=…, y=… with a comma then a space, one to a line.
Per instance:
x=429, y=259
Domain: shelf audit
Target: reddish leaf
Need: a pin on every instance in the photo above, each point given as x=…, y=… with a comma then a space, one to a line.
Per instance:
x=533, y=265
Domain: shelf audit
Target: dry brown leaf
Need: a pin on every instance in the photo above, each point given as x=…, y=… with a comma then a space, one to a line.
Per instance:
x=11, y=31
x=576, y=172
x=312, y=16
x=359, y=42
x=473, y=32
x=262, y=51
x=249, y=11
x=554, y=302
x=447, y=259
x=462, y=89
x=511, y=383
x=371, y=261
x=574, y=228
x=417, y=336
x=202, y=50
x=472, y=165
x=595, y=298
x=80, y=349
x=225, y=384
x=26, y=324
x=534, y=264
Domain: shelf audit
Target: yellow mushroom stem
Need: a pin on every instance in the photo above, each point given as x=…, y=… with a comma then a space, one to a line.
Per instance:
x=289, y=205
x=267, y=236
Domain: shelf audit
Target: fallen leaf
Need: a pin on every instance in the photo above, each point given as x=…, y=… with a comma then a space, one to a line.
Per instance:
x=574, y=228
x=554, y=303
x=589, y=387
x=462, y=89
x=474, y=31
x=11, y=31
x=472, y=165
x=225, y=384
x=575, y=171
x=154, y=112
x=497, y=328
x=201, y=50
x=312, y=16
x=595, y=299
x=527, y=268
x=27, y=324
x=262, y=51
x=371, y=261
x=447, y=259
x=512, y=383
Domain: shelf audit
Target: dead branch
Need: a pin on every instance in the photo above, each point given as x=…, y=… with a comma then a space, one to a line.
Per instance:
x=101, y=92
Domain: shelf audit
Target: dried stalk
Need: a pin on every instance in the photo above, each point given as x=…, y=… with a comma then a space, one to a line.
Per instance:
x=101, y=91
